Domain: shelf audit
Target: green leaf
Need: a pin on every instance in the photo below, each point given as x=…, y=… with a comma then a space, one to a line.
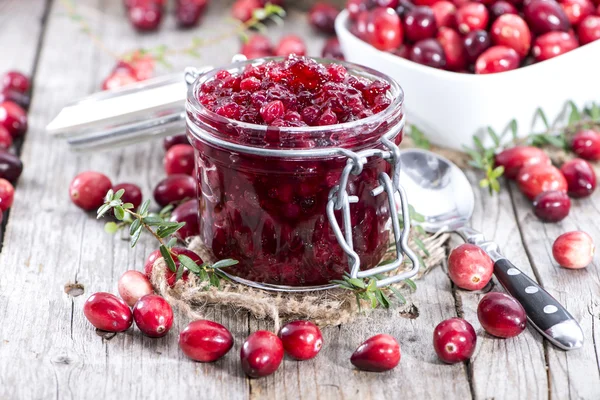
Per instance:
x=228, y=262
x=103, y=210
x=410, y=283
x=595, y=112
x=136, y=236
x=163, y=232
x=372, y=287
x=166, y=211
x=143, y=209
x=478, y=144
x=398, y=295
x=168, y=258
x=119, y=194
x=495, y=186
x=382, y=299
x=214, y=280
x=135, y=225
x=575, y=115
x=414, y=215
x=109, y=195
x=172, y=242
x=421, y=245
x=542, y=115
x=119, y=213
x=371, y=296
x=153, y=220
x=484, y=183
x=498, y=171
x=180, y=272
x=189, y=263
x=359, y=283
x=419, y=138
x=128, y=206
x=203, y=275
x=494, y=136
x=111, y=227
x=514, y=128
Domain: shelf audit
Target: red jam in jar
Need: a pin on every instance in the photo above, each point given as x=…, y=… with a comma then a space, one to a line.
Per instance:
x=267, y=135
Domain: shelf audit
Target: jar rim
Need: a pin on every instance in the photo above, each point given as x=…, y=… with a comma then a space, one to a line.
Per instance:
x=194, y=105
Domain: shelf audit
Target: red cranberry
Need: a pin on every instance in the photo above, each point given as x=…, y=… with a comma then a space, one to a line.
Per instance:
x=573, y=250
x=332, y=49
x=378, y=353
x=580, y=176
x=175, y=188
x=88, y=189
x=257, y=46
x=454, y=49
x=589, y=29
x=10, y=166
x=497, y=59
x=387, y=3
x=445, y=14
x=502, y=7
x=119, y=78
x=404, y=51
x=187, y=212
x=261, y=354
x=243, y=9
x=419, y=24
x=514, y=158
x=454, y=340
x=205, y=341
x=140, y=64
x=429, y=52
x=188, y=12
x=133, y=193
x=427, y=3
x=145, y=15
x=471, y=17
x=132, y=286
x=170, y=275
x=511, y=30
x=384, y=29
x=13, y=118
x=302, y=340
x=14, y=80
x=586, y=144
x=153, y=315
x=355, y=7
x=179, y=159
x=322, y=17
x=551, y=206
x=552, y=44
x=107, y=312
x=577, y=10
x=171, y=141
x=470, y=267
x=290, y=44
x=535, y=179
x=544, y=16
x=5, y=138
x=19, y=98
x=476, y=43
x=501, y=315
x=7, y=194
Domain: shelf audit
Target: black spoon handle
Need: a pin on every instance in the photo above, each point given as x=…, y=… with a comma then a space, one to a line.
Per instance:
x=543, y=311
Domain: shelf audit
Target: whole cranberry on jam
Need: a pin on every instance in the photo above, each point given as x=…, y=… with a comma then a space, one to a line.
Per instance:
x=88, y=189
x=552, y=206
x=501, y=315
x=580, y=176
x=302, y=340
x=454, y=340
x=470, y=267
x=586, y=144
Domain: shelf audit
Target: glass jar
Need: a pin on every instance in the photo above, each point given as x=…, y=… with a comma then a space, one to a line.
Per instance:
x=263, y=191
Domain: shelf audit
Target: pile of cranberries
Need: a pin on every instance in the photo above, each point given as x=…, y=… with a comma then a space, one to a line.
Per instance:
x=483, y=37
x=135, y=68
x=14, y=100
x=547, y=186
x=146, y=15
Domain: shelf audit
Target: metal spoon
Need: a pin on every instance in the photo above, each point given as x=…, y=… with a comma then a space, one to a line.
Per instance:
x=440, y=191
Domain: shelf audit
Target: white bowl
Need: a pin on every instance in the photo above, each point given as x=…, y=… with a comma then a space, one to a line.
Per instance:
x=451, y=107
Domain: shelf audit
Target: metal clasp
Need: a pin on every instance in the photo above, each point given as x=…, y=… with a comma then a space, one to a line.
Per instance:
x=339, y=199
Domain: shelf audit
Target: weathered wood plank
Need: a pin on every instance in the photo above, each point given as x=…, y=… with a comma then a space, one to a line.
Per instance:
x=502, y=368
x=574, y=374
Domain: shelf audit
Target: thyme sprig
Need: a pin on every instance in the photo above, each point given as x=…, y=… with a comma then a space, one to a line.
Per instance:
x=161, y=228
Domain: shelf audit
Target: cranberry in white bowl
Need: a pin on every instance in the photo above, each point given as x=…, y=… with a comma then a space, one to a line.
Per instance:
x=452, y=106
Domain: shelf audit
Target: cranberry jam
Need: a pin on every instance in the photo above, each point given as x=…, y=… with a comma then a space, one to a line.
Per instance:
x=267, y=135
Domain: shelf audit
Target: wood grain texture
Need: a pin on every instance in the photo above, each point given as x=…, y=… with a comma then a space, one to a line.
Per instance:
x=53, y=351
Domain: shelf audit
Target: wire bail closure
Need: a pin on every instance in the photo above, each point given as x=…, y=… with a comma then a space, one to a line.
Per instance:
x=340, y=200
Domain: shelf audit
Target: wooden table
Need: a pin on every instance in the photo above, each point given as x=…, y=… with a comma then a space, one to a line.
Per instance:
x=48, y=349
